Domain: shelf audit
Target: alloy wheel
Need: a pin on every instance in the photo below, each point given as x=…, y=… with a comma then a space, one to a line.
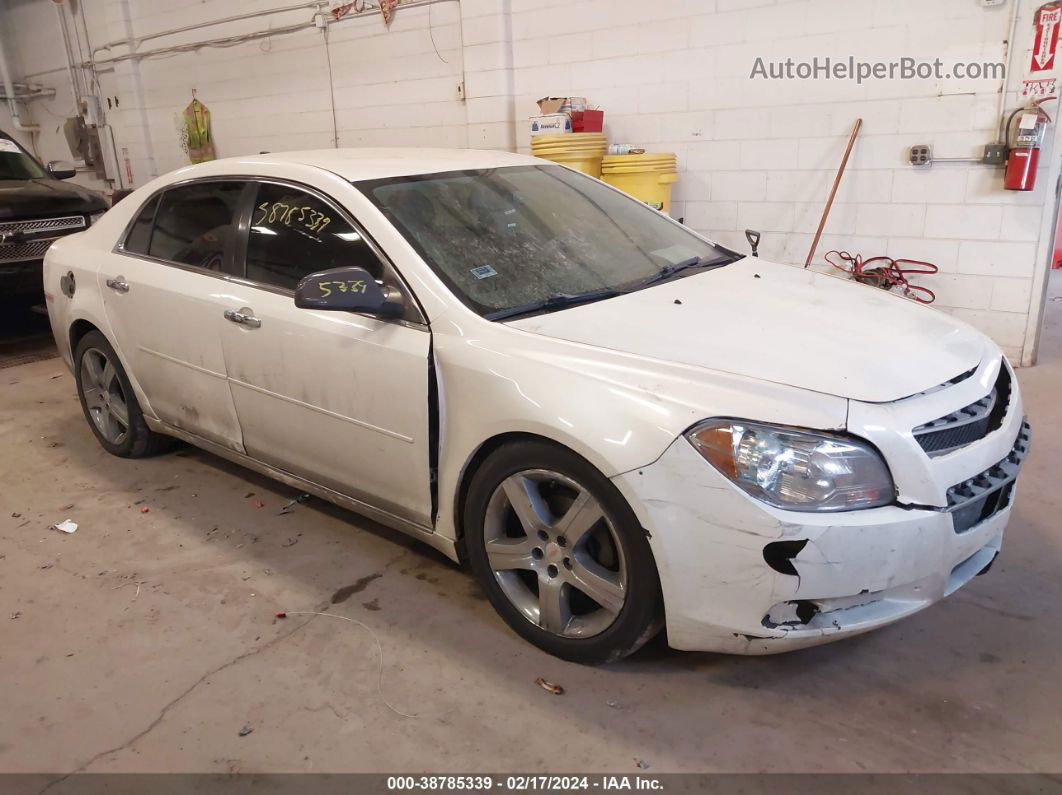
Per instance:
x=555, y=553
x=104, y=396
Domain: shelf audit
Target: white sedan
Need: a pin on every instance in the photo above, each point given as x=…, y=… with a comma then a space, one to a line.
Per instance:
x=618, y=424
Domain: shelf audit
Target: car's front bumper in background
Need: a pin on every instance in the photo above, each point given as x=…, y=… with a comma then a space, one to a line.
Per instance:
x=740, y=576
x=21, y=279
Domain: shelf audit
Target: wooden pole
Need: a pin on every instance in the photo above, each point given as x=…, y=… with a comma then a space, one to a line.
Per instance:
x=833, y=191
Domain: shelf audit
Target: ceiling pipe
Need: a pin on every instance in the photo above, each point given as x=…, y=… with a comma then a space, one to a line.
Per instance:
x=75, y=91
x=24, y=92
x=9, y=92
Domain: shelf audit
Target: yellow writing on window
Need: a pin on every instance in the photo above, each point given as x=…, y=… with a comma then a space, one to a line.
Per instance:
x=291, y=215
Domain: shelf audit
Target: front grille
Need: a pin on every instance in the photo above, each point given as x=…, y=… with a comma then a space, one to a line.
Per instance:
x=20, y=252
x=20, y=241
x=982, y=496
x=968, y=424
x=37, y=226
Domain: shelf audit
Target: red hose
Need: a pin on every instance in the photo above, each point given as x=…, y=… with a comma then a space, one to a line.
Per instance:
x=886, y=273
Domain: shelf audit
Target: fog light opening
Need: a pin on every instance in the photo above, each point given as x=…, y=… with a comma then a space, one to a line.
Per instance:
x=806, y=611
x=797, y=613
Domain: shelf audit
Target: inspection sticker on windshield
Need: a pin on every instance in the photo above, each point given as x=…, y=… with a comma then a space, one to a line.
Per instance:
x=7, y=145
x=483, y=271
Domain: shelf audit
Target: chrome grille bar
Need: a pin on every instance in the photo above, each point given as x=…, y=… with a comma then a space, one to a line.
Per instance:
x=26, y=251
x=37, y=226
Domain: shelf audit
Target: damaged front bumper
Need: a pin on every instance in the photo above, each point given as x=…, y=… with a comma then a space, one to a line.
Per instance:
x=742, y=577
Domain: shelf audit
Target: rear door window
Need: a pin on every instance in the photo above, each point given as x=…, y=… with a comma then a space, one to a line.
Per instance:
x=196, y=225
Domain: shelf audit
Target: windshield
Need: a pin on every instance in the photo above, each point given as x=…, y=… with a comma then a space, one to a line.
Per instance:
x=16, y=164
x=526, y=235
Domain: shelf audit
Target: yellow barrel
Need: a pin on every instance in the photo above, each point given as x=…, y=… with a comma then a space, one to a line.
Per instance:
x=647, y=177
x=581, y=151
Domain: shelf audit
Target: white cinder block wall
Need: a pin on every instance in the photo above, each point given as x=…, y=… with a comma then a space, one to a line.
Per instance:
x=671, y=75
x=674, y=76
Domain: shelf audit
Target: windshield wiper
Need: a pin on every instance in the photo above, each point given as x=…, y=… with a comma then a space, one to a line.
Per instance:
x=556, y=301
x=693, y=262
x=562, y=300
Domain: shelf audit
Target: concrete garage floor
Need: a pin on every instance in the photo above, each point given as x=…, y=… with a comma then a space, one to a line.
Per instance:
x=147, y=640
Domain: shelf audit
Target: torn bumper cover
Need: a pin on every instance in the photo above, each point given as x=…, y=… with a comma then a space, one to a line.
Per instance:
x=742, y=577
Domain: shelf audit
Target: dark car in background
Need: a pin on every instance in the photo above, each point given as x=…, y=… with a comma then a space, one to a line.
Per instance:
x=36, y=208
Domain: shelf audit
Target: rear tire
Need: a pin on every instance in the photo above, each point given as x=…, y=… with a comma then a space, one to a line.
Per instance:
x=109, y=403
x=561, y=555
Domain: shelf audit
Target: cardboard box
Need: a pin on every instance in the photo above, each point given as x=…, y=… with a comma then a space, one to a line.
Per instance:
x=551, y=124
x=551, y=105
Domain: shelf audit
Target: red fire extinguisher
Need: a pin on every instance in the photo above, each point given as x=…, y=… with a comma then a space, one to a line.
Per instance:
x=1025, y=151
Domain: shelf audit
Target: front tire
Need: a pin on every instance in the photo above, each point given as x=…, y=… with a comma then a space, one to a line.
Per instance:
x=561, y=554
x=109, y=403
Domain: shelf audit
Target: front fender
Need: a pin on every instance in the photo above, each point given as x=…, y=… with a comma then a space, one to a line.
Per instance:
x=618, y=411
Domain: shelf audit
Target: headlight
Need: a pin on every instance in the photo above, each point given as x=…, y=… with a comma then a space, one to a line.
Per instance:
x=94, y=217
x=795, y=470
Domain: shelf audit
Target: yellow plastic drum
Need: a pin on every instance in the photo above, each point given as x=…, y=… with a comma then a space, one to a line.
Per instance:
x=647, y=177
x=581, y=151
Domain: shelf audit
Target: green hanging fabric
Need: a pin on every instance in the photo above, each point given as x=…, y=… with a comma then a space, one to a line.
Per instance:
x=197, y=128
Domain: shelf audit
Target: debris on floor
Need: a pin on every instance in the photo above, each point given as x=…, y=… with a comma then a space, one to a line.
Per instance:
x=137, y=583
x=245, y=731
x=66, y=526
x=641, y=764
x=549, y=687
x=290, y=542
x=145, y=509
x=289, y=506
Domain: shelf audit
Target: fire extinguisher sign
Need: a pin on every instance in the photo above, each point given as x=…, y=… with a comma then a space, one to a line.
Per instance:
x=1048, y=21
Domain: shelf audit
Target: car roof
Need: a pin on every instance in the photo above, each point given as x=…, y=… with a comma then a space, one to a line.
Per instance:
x=372, y=163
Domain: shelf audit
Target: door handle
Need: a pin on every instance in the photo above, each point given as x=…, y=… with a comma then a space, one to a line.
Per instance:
x=244, y=316
x=118, y=284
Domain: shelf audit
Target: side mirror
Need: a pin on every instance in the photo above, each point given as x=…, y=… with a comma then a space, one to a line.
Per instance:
x=347, y=290
x=61, y=169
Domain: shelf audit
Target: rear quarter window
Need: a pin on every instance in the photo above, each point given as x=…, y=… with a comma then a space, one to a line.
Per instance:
x=139, y=237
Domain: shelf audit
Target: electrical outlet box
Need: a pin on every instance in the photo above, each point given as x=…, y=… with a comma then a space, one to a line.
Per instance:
x=921, y=155
x=995, y=155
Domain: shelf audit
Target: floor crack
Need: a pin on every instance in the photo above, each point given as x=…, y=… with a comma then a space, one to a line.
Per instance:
x=180, y=697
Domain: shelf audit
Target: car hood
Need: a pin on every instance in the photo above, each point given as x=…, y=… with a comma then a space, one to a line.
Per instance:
x=780, y=324
x=27, y=198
